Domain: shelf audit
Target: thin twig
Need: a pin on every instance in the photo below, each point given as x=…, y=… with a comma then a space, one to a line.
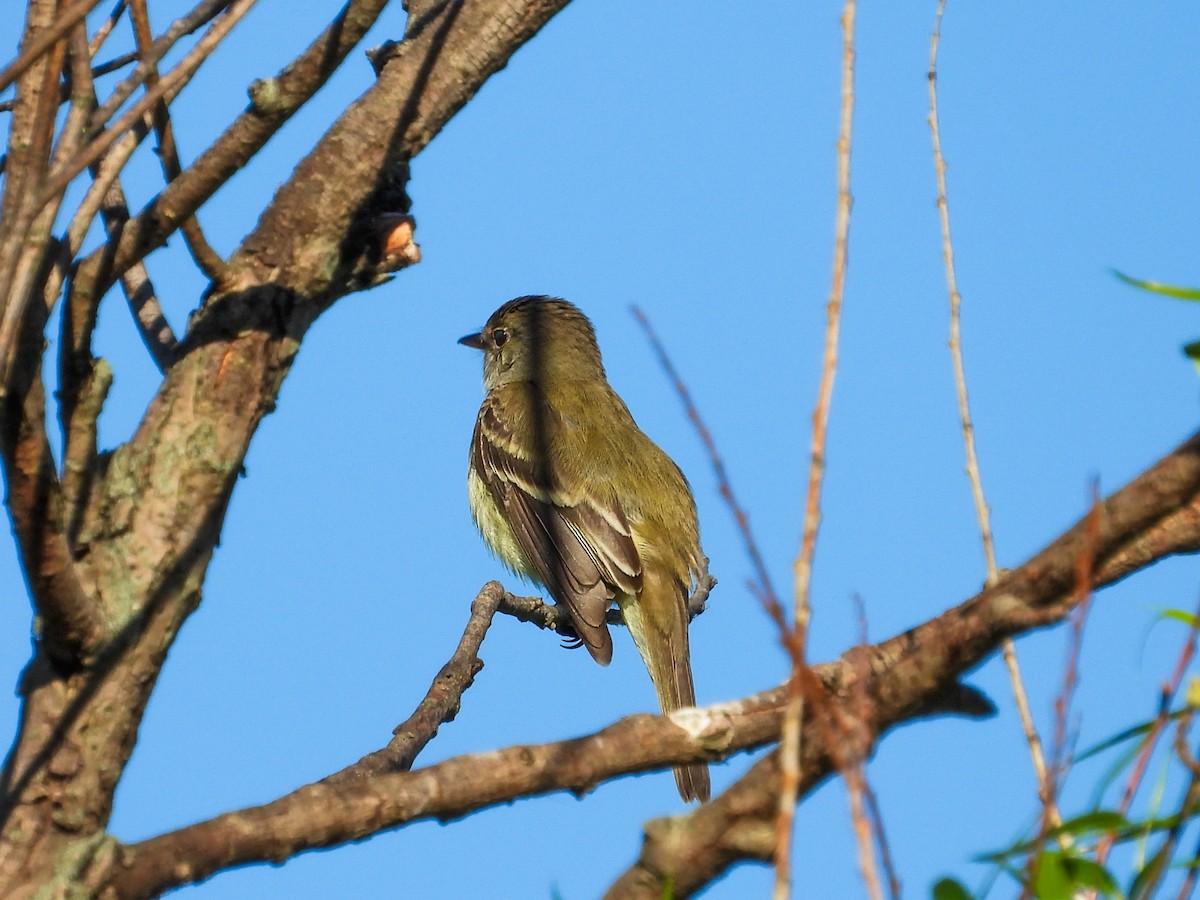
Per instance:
x=202, y=14
x=702, y=846
x=1166, y=700
x=206, y=258
x=105, y=29
x=25, y=225
x=761, y=586
x=45, y=40
x=1085, y=570
x=982, y=511
x=885, y=852
x=1160, y=860
x=556, y=618
x=790, y=745
x=288, y=91
x=857, y=788
x=117, y=62
x=170, y=85
x=724, y=485
x=864, y=806
x=440, y=703
x=106, y=197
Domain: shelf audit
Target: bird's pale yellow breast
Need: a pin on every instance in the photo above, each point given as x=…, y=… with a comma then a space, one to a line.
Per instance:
x=494, y=527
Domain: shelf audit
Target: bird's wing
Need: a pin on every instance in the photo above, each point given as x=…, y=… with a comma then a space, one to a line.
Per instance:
x=580, y=548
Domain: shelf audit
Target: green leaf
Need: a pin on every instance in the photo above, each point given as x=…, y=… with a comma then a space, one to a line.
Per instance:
x=1120, y=737
x=1192, y=351
x=1100, y=821
x=1060, y=877
x=1191, y=620
x=949, y=889
x=1085, y=873
x=1146, y=879
x=1053, y=880
x=1156, y=287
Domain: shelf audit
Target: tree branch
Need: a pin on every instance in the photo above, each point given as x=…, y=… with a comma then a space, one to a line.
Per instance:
x=163, y=91
x=915, y=673
x=39, y=46
x=208, y=260
x=441, y=702
x=906, y=677
x=550, y=616
x=273, y=102
x=70, y=623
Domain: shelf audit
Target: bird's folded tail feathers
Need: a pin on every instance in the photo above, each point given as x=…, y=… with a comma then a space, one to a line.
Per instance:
x=660, y=632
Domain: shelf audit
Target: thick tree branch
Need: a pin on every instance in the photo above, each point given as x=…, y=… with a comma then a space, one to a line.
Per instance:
x=322, y=815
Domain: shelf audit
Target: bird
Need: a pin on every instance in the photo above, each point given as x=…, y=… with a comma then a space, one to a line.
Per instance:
x=569, y=492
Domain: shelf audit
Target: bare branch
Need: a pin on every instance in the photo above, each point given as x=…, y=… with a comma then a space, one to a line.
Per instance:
x=790, y=748
x=905, y=677
x=156, y=331
x=441, y=702
x=166, y=89
x=915, y=673
x=724, y=485
x=117, y=62
x=274, y=101
x=106, y=28
x=322, y=815
x=76, y=365
x=70, y=624
x=982, y=513
x=555, y=618
x=206, y=258
x=24, y=228
x=69, y=621
x=63, y=21
x=80, y=456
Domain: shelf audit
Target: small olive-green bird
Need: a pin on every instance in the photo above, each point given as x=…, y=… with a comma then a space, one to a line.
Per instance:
x=569, y=492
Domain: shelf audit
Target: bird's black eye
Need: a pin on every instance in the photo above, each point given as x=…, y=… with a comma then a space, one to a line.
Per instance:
x=499, y=337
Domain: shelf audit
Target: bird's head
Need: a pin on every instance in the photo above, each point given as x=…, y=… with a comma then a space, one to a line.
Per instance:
x=537, y=339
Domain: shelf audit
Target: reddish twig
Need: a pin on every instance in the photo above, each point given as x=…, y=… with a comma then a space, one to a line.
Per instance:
x=724, y=485
x=1085, y=569
x=1150, y=742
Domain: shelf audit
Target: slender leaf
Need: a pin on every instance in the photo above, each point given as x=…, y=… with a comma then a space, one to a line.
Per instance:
x=1157, y=287
x=1145, y=880
x=1191, y=620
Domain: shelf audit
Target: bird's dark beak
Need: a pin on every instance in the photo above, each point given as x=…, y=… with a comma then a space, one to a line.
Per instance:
x=472, y=340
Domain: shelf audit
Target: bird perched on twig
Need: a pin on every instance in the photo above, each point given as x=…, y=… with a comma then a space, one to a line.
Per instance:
x=568, y=491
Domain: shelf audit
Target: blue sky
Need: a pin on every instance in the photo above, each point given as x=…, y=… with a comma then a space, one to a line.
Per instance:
x=681, y=157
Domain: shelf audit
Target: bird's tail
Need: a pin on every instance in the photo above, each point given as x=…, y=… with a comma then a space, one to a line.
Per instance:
x=657, y=619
